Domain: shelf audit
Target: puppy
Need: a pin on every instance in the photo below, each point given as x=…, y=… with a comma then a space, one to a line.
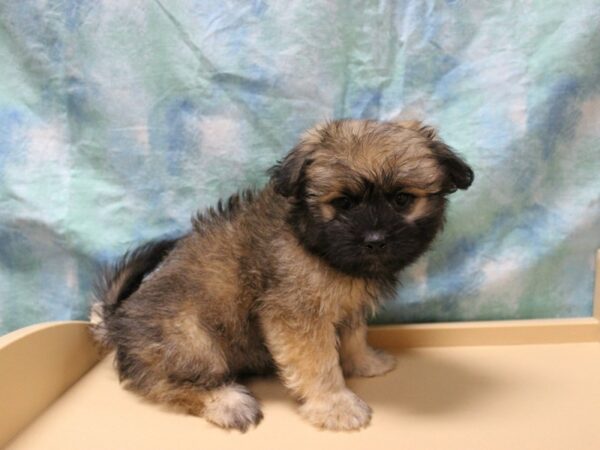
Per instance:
x=282, y=278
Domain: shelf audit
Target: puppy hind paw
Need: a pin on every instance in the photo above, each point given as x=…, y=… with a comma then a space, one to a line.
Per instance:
x=232, y=407
x=340, y=411
x=370, y=364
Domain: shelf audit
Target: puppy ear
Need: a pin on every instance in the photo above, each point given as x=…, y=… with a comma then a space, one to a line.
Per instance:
x=459, y=174
x=287, y=175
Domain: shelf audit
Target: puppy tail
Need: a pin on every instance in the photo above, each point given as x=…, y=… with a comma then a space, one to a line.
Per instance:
x=117, y=282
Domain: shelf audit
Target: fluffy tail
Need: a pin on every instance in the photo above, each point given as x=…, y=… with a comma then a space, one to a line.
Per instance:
x=119, y=281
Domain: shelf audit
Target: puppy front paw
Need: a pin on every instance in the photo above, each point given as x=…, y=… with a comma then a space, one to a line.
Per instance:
x=340, y=411
x=369, y=364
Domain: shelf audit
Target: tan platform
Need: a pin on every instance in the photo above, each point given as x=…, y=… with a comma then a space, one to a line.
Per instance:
x=457, y=386
x=474, y=397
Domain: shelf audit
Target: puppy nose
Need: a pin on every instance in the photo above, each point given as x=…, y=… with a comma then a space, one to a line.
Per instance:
x=374, y=240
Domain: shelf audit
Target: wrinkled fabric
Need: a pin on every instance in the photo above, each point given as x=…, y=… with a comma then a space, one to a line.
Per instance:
x=119, y=119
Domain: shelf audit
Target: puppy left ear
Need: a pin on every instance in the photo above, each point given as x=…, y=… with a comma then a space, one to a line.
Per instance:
x=459, y=174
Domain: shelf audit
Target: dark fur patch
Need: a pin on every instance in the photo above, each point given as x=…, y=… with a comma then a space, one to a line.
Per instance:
x=340, y=241
x=288, y=175
x=137, y=263
x=460, y=175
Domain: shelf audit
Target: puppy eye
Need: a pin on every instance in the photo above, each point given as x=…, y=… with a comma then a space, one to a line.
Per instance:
x=403, y=199
x=342, y=203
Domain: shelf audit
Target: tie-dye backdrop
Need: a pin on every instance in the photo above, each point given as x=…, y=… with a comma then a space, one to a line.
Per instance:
x=119, y=118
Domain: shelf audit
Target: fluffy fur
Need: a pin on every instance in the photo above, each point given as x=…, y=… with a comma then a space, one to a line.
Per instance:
x=282, y=278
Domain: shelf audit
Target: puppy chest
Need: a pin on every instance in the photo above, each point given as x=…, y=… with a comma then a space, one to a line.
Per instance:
x=322, y=297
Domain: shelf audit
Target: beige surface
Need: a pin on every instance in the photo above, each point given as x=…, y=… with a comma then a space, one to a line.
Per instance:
x=502, y=397
x=37, y=364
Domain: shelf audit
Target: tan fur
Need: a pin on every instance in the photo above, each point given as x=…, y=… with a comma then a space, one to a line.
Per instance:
x=403, y=152
x=357, y=358
x=419, y=209
x=231, y=405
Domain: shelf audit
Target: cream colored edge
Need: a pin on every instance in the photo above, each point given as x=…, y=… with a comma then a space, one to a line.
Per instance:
x=513, y=332
x=510, y=332
x=597, y=288
x=37, y=364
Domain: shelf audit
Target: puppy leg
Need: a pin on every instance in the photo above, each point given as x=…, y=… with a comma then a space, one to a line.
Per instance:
x=188, y=370
x=229, y=405
x=232, y=406
x=309, y=365
x=357, y=357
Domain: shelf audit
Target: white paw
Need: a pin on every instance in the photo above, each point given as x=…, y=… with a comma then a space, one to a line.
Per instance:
x=340, y=411
x=232, y=406
x=369, y=364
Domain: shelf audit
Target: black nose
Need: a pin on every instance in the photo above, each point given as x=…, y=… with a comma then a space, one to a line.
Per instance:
x=374, y=240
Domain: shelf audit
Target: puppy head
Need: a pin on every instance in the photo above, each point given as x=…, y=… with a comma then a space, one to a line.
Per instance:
x=366, y=196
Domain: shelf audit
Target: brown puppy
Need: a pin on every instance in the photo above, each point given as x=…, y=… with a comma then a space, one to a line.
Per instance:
x=282, y=278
